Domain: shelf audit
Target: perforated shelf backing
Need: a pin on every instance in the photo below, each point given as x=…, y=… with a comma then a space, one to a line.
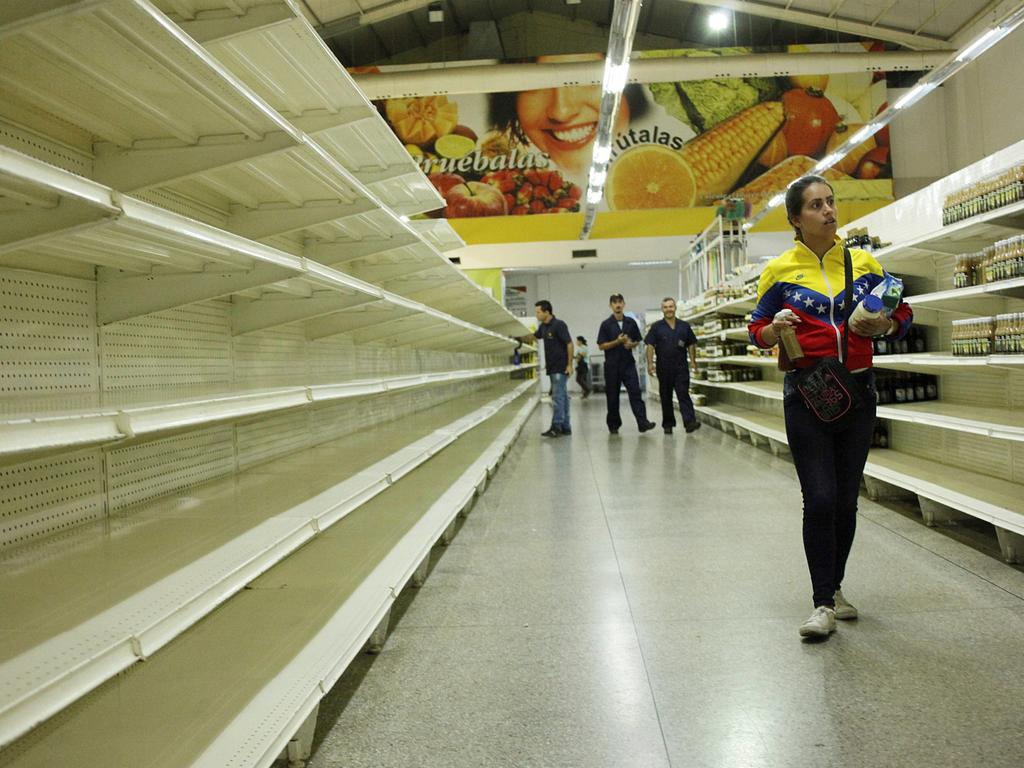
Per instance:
x=44, y=497
x=47, y=335
x=188, y=347
x=998, y=458
x=141, y=472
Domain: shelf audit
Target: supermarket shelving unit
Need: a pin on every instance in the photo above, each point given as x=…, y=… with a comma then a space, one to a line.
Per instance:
x=223, y=342
x=964, y=453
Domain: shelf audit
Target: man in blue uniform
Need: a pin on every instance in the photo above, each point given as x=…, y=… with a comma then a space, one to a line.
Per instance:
x=669, y=342
x=558, y=355
x=617, y=337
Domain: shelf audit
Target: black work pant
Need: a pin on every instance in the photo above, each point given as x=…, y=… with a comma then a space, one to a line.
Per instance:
x=614, y=377
x=583, y=377
x=677, y=380
x=830, y=466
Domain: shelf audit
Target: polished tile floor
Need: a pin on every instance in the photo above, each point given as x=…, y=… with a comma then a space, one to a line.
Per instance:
x=634, y=601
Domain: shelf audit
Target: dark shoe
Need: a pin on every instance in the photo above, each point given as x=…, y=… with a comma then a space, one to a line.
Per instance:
x=668, y=430
x=565, y=432
x=613, y=431
x=550, y=433
x=648, y=426
x=693, y=426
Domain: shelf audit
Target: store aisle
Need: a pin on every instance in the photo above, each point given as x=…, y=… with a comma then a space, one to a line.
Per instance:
x=634, y=601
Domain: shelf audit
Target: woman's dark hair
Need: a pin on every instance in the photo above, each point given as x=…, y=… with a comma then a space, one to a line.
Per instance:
x=545, y=306
x=581, y=340
x=501, y=110
x=795, y=195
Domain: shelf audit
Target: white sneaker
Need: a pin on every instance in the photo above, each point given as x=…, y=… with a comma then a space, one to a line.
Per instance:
x=821, y=623
x=843, y=609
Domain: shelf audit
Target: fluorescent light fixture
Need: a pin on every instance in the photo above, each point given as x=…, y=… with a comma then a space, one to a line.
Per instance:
x=863, y=134
x=615, y=76
x=718, y=21
x=602, y=154
x=915, y=93
x=403, y=217
x=747, y=226
x=777, y=200
x=828, y=161
x=573, y=2
x=597, y=177
x=982, y=44
x=435, y=13
x=652, y=263
x=594, y=195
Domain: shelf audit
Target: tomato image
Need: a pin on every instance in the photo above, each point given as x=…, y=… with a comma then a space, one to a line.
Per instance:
x=875, y=164
x=810, y=120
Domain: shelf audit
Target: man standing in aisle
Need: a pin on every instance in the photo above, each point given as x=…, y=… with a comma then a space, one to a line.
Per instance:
x=558, y=356
x=617, y=337
x=673, y=341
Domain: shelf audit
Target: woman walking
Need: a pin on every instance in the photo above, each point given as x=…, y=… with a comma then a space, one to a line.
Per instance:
x=583, y=366
x=805, y=290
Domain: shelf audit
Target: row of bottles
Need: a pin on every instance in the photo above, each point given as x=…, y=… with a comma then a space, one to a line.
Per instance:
x=715, y=349
x=905, y=387
x=718, y=374
x=1002, y=261
x=913, y=342
x=988, y=194
x=972, y=337
x=859, y=238
x=721, y=323
x=999, y=335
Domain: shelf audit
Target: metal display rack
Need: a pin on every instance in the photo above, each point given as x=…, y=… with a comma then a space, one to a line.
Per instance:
x=218, y=312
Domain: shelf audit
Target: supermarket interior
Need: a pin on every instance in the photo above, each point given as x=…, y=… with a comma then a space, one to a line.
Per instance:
x=506, y=383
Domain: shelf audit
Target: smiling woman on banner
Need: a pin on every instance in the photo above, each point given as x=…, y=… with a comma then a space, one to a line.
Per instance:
x=562, y=122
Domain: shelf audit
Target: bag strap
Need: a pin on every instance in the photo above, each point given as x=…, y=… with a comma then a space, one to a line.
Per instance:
x=847, y=300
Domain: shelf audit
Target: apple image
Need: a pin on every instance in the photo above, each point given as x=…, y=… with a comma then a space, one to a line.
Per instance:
x=445, y=181
x=474, y=198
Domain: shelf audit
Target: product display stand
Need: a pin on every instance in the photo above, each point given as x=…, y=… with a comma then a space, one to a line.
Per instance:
x=228, y=346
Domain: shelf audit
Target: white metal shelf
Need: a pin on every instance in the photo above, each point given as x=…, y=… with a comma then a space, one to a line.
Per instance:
x=771, y=390
x=157, y=260
x=39, y=681
x=989, y=298
x=758, y=360
x=965, y=236
x=289, y=67
x=270, y=181
x=46, y=425
x=732, y=307
x=1000, y=502
x=923, y=361
x=730, y=334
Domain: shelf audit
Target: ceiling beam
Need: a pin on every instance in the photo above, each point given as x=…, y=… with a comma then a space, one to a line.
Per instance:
x=902, y=37
x=497, y=78
x=340, y=26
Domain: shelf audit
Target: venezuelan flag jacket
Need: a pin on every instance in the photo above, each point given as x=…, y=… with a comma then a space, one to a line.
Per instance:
x=814, y=289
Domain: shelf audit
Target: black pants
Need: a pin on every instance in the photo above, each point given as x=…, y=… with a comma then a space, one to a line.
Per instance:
x=614, y=377
x=583, y=378
x=830, y=466
x=675, y=379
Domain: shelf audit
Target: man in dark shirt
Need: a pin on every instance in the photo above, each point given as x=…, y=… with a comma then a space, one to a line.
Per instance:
x=558, y=355
x=617, y=337
x=672, y=340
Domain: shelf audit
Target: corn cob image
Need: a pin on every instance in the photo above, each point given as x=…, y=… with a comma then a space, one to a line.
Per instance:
x=760, y=190
x=719, y=157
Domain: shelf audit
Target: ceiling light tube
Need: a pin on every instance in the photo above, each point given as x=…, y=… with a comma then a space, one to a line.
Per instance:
x=594, y=195
x=597, y=177
x=982, y=44
x=602, y=154
x=914, y=94
x=615, y=76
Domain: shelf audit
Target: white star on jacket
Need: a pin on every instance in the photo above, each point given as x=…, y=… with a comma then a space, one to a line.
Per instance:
x=859, y=290
x=808, y=301
x=821, y=309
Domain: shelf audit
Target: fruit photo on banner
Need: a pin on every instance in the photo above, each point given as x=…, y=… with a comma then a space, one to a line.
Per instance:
x=676, y=145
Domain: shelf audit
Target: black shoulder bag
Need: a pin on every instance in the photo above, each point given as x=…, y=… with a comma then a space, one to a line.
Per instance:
x=827, y=388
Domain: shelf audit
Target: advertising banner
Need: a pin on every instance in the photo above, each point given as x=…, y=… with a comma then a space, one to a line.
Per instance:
x=677, y=145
